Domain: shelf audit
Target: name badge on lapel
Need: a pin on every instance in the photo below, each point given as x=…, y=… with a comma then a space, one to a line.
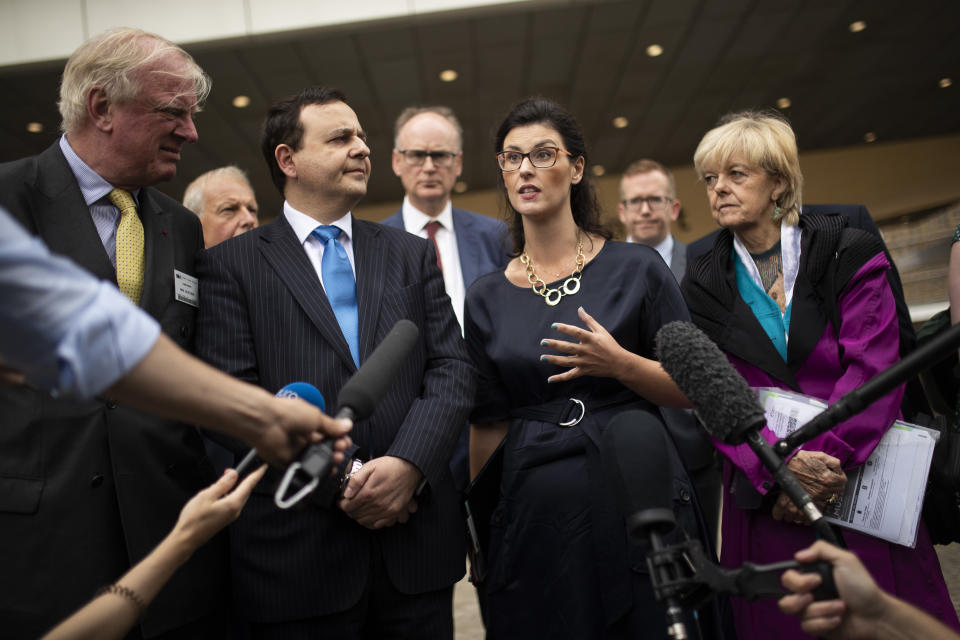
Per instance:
x=186, y=288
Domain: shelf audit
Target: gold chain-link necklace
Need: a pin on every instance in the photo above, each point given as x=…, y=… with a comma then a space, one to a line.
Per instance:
x=569, y=287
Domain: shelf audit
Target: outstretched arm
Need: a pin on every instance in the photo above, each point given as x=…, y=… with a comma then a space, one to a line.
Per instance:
x=114, y=612
x=172, y=383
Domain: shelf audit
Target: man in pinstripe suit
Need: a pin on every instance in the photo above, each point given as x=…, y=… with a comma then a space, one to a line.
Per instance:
x=379, y=562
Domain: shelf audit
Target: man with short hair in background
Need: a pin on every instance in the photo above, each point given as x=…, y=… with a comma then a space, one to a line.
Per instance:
x=428, y=159
x=88, y=488
x=224, y=201
x=648, y=206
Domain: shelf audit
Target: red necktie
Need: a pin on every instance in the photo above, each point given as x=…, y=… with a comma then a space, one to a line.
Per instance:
x=431, y=228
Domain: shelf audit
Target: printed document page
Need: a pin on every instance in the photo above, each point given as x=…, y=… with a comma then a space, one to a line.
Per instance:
x=882, y=498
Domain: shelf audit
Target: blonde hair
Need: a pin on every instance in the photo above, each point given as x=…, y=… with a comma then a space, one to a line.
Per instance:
x=195, y=195
x=113, y=60
x=762, y=139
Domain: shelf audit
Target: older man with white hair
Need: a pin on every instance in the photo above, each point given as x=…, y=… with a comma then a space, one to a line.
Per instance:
x=88, y=488
x=224, y=201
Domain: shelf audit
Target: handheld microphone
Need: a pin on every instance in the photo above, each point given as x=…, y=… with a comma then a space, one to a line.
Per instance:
x=633, y=451
x=359, y=396
x=303, y=390
x=357, y=400
x=728, y=407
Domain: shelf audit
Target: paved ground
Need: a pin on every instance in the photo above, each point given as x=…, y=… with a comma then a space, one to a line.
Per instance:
x=950, y=565
x=466, y=615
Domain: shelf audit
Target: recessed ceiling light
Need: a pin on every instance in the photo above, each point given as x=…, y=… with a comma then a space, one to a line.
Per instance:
x=857, y=26
x=620, y=122
x=448, y=75
x=869, y=136
x=784, y=103
x=945, y=82
x=34, y=127
x=598, y=170
x=460, y=186
x=654, y=50
x=241, y=102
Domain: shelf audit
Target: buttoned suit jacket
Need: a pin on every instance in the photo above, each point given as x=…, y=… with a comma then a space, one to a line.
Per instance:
x=481, y=242
x=264, y=318
x=88, y=488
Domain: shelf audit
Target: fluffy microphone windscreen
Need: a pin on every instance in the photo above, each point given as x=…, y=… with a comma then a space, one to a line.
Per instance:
x=364, y=389
x=724, y=401
x=636, y=468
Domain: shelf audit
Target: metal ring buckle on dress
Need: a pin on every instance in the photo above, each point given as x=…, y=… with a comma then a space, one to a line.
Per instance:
x=574, y=421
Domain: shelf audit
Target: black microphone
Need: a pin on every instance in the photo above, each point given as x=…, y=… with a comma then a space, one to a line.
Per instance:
x=633, y=452
x=856, y=400
x=356, y=401
x=728, y=408
x=360, y=395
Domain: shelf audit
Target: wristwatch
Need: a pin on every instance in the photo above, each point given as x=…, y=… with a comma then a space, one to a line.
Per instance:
x=352, y=468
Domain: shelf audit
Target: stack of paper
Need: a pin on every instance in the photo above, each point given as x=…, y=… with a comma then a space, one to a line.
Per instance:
x=884, y=497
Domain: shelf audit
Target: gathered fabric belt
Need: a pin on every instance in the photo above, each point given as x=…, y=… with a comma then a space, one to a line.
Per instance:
x=568, y=412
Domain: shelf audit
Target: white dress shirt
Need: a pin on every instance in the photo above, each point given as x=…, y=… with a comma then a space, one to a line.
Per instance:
x=415, y=221
x=303, y=226
x=665, y=248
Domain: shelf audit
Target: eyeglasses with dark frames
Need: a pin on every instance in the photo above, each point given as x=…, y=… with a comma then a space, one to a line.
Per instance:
x=440, y=159
x=656, y=203
x=540, y=157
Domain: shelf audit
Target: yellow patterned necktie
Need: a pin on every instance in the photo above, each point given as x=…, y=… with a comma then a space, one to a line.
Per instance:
x=129, y=245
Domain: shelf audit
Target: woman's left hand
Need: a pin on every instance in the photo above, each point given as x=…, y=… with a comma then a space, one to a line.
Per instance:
x=595, y=353
x=821, y=476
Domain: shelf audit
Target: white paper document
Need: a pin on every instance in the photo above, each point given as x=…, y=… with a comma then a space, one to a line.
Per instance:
x=884, y=497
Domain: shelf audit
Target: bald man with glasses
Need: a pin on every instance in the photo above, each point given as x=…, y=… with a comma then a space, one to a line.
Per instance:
x=648, y=205
x=428, y=159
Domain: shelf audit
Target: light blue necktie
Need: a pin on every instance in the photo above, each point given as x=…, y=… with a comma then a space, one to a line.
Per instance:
x=340, y=286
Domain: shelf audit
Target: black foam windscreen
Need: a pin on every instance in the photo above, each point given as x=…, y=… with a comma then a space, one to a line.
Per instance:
x=636, y=467
x=365, y=388
x=723, y=400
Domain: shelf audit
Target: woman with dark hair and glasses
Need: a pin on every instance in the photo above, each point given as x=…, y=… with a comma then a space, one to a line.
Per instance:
x=563, y=340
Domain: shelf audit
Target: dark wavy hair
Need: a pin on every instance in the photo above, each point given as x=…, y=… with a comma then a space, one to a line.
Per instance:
x=583, y=197
x=282, y=125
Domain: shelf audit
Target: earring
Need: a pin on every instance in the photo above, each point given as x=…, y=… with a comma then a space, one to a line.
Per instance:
x=776, y=212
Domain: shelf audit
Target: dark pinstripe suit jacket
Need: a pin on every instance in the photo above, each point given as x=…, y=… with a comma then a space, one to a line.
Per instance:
x=264, y=318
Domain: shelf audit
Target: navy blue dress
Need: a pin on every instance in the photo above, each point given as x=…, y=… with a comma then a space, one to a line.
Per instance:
x=559, y=561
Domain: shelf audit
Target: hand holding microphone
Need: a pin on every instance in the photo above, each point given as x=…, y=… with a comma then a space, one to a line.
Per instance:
x=357, y=401
x=292, y=422
x=294, y=419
